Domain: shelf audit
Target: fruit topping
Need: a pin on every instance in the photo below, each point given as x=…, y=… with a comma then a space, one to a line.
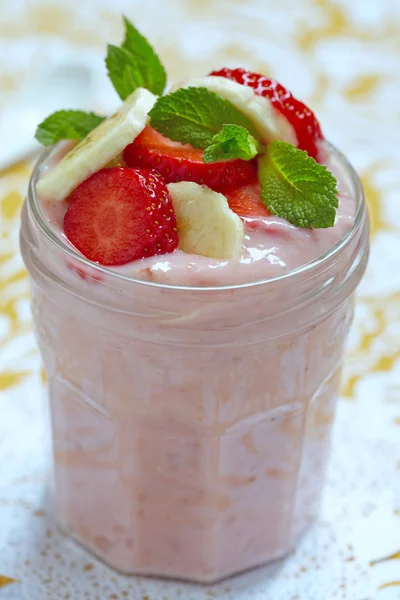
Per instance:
x=303, y=120
x=99, y=148
x=246, y=201
x=181, y=162
x=266, y=122
x=119, y=215
x=206, y=224
x=232, y=146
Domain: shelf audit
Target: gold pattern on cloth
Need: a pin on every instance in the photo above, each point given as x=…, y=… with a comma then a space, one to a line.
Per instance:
x=341, y=57
x=6, y=581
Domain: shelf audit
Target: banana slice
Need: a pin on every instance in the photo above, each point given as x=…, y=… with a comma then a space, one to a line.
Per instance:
x=269, y=122
x=206, y=224
x=99, y=148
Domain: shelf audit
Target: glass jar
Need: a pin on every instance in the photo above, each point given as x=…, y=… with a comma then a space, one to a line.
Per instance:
x=191, y=426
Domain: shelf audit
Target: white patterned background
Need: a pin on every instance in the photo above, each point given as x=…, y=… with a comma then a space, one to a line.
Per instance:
x=343, y=58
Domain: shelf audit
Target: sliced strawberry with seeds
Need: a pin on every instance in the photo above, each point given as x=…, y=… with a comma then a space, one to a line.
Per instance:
x=306, y=126
x=119, y=215
x=181, y=162
x=246, y=201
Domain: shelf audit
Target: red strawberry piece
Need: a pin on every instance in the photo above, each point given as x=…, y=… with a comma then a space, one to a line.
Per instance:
x=181, y=162
x=119, y=215
x=306, y=126
x=82, y=273
x=246, y=201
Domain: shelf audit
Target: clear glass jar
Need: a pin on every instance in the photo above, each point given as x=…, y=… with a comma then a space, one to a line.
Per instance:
x=191, y=425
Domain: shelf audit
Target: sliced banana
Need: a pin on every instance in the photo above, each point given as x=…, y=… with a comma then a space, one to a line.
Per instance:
x=99, y=148
x=269, y=122
x=206, y=224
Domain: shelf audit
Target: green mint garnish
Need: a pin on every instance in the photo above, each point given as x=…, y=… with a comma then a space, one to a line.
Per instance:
x=153, y=72
x=123, y=70
x=194, y=115
x=233, y=141
x=297, y=188
x=134, y=64
x=66, y=125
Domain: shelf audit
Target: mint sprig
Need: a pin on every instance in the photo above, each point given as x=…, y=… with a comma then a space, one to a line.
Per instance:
x=194, y=115
x=297, y=188
x=123, y=70
x=66, y=125
x=134, y=64
x=153, y=72
x=233, y=141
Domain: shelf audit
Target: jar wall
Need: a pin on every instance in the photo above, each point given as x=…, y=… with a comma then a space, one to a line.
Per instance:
x=160, y=471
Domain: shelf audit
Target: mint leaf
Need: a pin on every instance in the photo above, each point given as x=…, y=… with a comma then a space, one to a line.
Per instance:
x=134, y=64
x=150, y=66
x=123, y=70
x=194, y=115
x=233, y=141
x=66, y=125
x=297, y=188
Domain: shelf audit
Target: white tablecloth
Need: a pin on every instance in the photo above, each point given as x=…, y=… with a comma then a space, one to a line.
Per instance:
x=343, y=58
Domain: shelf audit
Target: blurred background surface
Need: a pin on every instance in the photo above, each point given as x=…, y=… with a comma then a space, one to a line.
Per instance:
x=343, y=58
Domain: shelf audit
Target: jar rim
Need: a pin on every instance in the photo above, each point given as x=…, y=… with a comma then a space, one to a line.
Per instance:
x=303, y=269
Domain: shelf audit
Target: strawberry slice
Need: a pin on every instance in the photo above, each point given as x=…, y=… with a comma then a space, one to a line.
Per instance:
x=246, y=201
x=118, y=215
x=181, y=162
x=306, y=126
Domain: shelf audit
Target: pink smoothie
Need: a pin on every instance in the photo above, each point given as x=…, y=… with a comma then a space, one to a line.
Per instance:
x=191, y=426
